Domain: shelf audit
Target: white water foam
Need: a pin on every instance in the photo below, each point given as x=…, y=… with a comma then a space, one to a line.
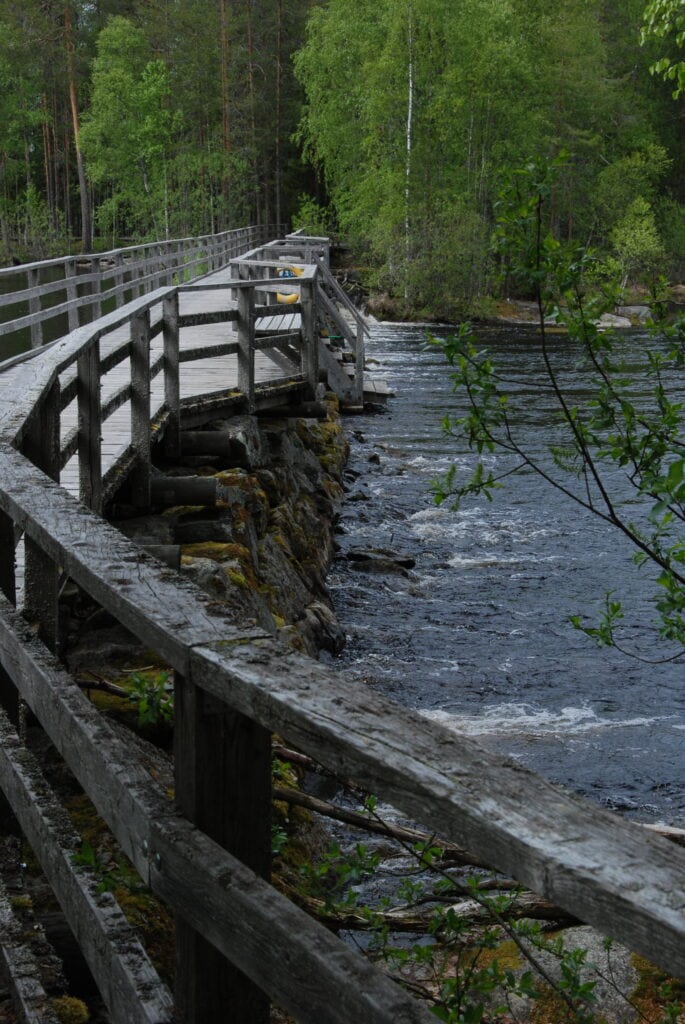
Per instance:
x=477, y=526
x=526, y=720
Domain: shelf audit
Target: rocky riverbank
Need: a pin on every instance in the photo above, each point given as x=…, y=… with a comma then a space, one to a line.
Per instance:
x=262, y=549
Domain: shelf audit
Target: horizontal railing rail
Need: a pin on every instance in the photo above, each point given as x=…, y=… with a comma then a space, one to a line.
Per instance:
x=59, y=294
x=206, y=853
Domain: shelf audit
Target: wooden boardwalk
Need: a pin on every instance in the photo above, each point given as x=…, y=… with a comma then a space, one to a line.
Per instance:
x=197, y=378
x=207, y=852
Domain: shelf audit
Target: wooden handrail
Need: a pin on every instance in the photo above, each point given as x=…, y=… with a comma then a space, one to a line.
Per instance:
x=134, y=269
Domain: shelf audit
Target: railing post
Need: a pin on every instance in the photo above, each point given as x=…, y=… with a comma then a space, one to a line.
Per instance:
x=140, y=408
x=72, y=293
x=310, y=340
x=7, y=558
x=359, y=366
x=96, y=288
x=160, y=273
x=89, y=427
x=9, y=696
x=118, y=275
x=41, y=446
x=140, y=272
x=172, y=388
x=223, y=785
x=32, y=276
x=246, y=335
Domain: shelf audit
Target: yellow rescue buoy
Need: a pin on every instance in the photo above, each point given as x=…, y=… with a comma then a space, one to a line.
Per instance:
x=289, y=297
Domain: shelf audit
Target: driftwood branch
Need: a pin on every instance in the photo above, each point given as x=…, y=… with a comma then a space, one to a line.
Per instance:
x=99, y=683
x=410, y=919
x=452, y=853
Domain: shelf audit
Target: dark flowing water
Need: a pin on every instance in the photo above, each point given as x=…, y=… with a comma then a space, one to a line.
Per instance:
x=477, y=635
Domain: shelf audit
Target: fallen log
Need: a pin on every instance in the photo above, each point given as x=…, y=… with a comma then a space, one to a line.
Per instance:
x=410, y=919
x=410, y=836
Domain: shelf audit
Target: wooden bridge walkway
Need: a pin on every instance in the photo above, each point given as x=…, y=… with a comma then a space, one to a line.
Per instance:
x=197, y=377
x=241, y=945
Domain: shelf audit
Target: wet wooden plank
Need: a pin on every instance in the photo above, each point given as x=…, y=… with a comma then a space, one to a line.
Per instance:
x=125, y=977
x=21, y=969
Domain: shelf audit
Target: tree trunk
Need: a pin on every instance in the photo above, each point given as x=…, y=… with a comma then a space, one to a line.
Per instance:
x=254, y=161
x=86, y=222
x=47, y=162
x=279, y=101
x=225, y=80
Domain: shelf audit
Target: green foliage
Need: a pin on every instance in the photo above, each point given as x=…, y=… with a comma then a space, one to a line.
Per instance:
x=312, y=217
x=331, y=877
x=468, y=974
x=604, y=428
x=189, y=121
x=638, y=245
x=279, y=839
x=126, y=135
x=665, y=19
x=153, y=696
x=434, y=102
x=109, y=870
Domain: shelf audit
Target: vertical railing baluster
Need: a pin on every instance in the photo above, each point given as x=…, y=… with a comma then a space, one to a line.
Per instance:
x=172, y=383
x=310, y=341
x=96, y=287
x=9, y=697
x=118, y=277
x=142, y=267
x=246, y=336
x=32, y=280
x=89, y=427
x=223, y=785
x=359, y=366
x=140, y=408
x=41, y=445
x=7, y=558
x=72, y=293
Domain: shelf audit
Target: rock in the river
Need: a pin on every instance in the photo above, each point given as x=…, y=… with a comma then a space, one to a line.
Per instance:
x=381, y=560
x=612, y=321
x=636, y=314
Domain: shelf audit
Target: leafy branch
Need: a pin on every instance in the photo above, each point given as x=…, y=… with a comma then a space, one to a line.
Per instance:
x=607, y=431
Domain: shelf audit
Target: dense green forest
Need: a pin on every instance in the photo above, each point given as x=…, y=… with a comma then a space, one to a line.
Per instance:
x=146, y=118
x=394, y=123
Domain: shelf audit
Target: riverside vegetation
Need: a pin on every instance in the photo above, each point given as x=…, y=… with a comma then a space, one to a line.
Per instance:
x=392, y=123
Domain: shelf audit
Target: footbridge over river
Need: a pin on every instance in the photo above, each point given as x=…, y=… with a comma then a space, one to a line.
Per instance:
x=78, y=419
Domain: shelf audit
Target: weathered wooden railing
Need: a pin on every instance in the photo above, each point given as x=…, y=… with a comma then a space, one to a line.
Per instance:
x=240, y=943
x=337, y=314
x=66, y=292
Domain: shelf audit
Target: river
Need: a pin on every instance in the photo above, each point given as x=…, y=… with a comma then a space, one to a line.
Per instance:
x=477, y=634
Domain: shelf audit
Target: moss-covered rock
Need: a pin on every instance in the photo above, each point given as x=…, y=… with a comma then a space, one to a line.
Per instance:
x=69, y=1010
